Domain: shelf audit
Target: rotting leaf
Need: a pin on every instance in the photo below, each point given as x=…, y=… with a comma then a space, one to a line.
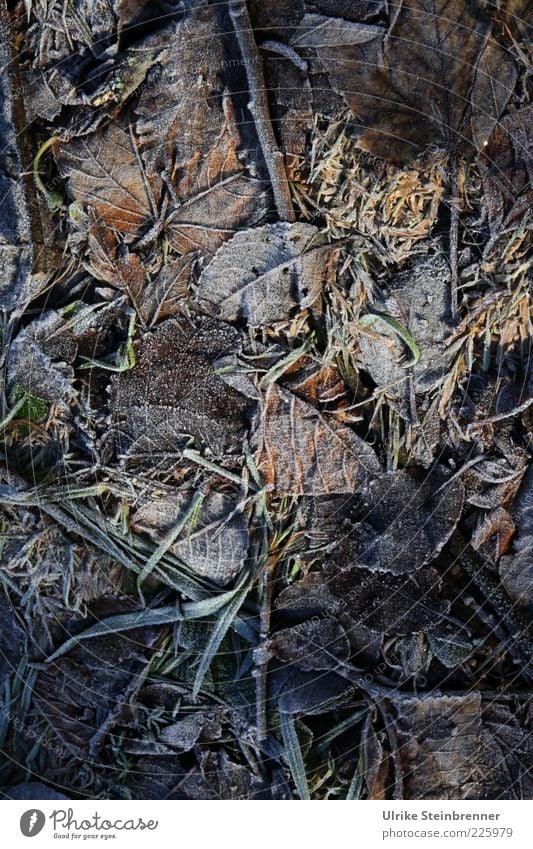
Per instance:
x=262, y=274
x=301, y=452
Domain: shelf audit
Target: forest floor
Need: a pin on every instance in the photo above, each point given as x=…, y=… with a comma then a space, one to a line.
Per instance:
x=266, y=500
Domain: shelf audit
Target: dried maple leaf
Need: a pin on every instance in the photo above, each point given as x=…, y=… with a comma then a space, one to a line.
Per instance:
x=301, y=452
x=433, y=78
x=264, y=273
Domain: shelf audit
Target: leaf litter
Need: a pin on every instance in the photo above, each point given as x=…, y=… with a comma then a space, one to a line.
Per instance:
x=265, y=497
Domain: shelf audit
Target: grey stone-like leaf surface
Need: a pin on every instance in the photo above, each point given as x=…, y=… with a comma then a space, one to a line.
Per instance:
x=396, y=524
x=419, y=299
x=263, y=273
x=312, y=644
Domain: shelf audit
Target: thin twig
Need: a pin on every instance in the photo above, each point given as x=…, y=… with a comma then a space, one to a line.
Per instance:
x=258, y=106
x=454, y=235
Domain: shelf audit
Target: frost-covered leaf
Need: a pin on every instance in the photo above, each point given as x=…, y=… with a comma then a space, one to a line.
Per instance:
x=439, y=739
x=83, y=694
x=104, y=175
x=462, y=747
x=397, y=524
x=516, y=569
x=389, y=604
x=40, y=359
x=433, y=77
x=213, y=544
x=309, y=692
x=264, y=273
x=217, y=185
x=173, y=392
x=420, y=300
x=312, y=645
x=301, y=452
x=184, y=734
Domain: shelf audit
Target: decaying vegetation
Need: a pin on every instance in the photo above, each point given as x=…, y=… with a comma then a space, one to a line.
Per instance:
x=265, y=486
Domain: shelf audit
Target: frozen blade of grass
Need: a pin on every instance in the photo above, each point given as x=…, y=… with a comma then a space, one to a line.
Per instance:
x=222, y=625
x=169, y=539
x=146, y=618
x=293, y=755
x=197, y=458
x=339, y=729
x=280, y=367
x=121, y=622
x=218, y=633
x=356, y=785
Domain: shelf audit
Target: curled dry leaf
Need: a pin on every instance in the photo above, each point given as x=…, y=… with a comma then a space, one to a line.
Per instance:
x=264, y=273
x=301, y=452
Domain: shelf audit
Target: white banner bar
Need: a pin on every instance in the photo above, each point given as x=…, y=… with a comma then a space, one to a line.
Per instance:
x=267, y=825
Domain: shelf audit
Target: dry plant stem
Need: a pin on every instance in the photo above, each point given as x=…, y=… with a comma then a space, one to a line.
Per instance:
x=262, y=666
x=258, y=106
x=454, y=234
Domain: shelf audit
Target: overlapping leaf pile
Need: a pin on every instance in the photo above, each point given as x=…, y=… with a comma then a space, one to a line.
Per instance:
x=266, y=406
